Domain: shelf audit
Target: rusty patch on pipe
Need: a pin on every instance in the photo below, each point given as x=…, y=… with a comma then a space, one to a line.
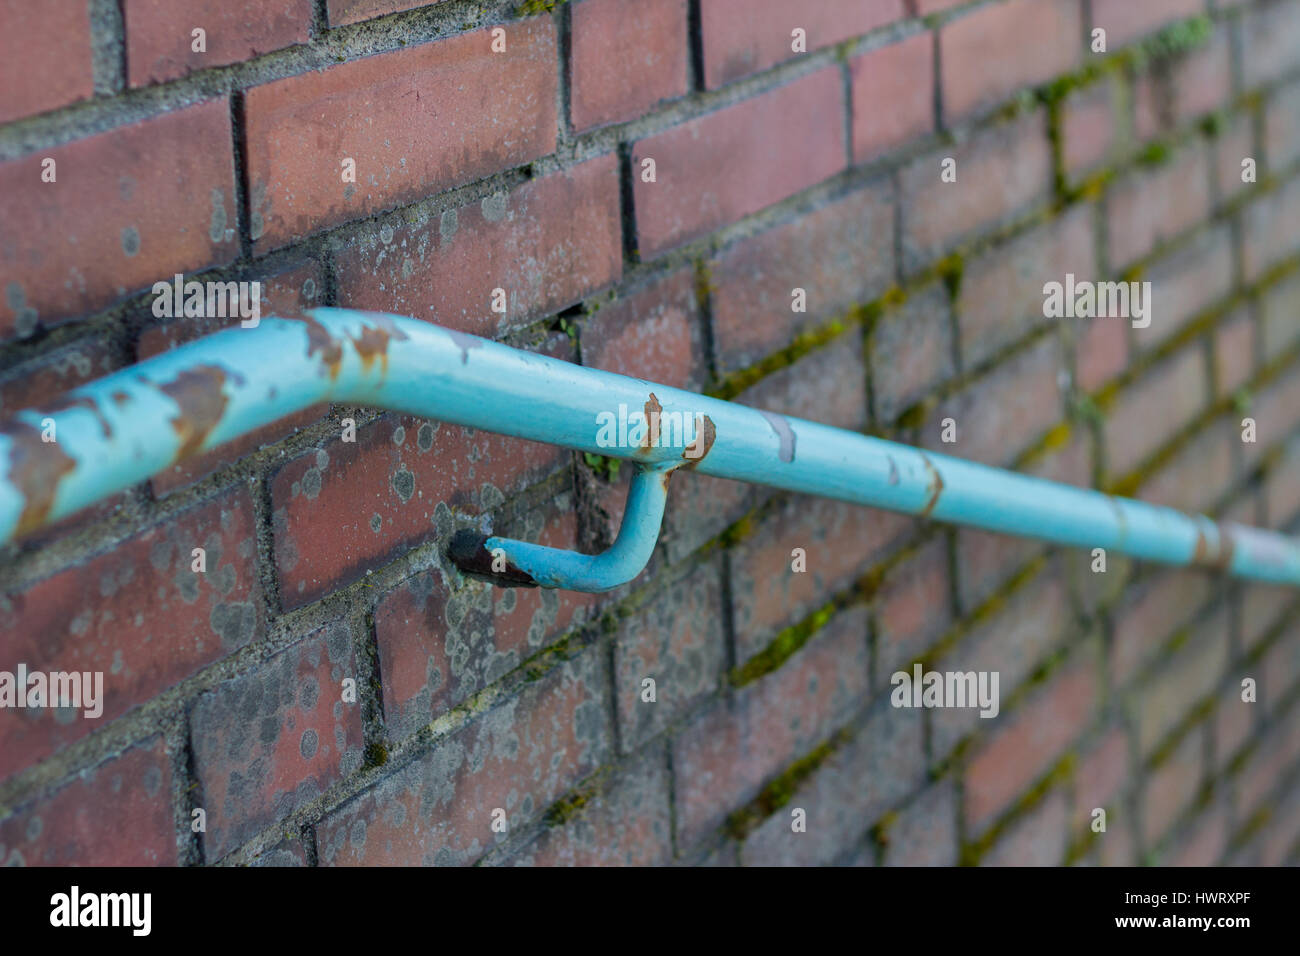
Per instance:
x=652, y=412
x=468, y=551
x=200, y=394
x=320, y=340
x=783, y=432
x=1217, y=556
x=120, y=397
x=87, y=403
x=936, y=487
x=373, y=344
x=703, y=444
x=35, y=469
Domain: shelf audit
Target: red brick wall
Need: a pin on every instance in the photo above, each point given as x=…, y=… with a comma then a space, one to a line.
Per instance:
x=775, y=170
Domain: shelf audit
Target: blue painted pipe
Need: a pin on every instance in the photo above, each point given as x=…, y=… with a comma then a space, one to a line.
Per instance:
x=123, y=428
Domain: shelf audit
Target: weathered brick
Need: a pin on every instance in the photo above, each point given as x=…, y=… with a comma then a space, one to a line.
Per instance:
x=1236, y=142
x=1036, y=839
x=1152, y=206
x=485, y=112
x=1164, y=400
x=1274, y=756
x=1271, y=32
x=275, y=738
x=519, y=757
x=1234, y=351
x=1003, y=412
x=677, y=640
x=745, y=36
x=652, y=333
x=1184, y=284
x=1200, y=472
x=118, y=813
x=1204, y=842
x=627, y=56
x=725, y=755
x=138, y=614
x=893, y=96
x=911, y=351
x=1092, y=126
x=1261, y=607
x=720, y=167
x=912, y=609
x=1182, y=682
x=841, y=255
x=354, y=11
x=999, y=48
x=287, y=292
x=352, y=506
x=162, y=191
x=1124, y=21
x=870, y=773
x=628, y=822
x=1001, y=172
x=1282, y=128
x=1150, y=615
x=438, y=646
x=1101, y=352
x=1002, y=289
x=1283, y=486
x=1281, y=669
x=1171, y=787
x=1192, y=85
x=547, y=244
x=160, y=42
x=1024, y=748
x=1101, y=777
x=925, y=832
x=56, y=32
x=1280, y=306
x=1268, y=236
x=986, y=560
x=1234, y=722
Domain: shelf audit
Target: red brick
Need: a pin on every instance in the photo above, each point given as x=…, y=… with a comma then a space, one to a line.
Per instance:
x=997, y=49
x=547, y=244
x=1236, y=142
x=1101, y=352
x=1282, y=128
x=1170, y=788
x=676, y=640
x=986, y=561
x=116, y=814
x=1091, y=130
x=1036, y=839
x=1124, y=20
x=1268, y=233
x=43, y=380
x=1234, y=351
x=1100, y=777
x=652, y=333
x=284, y=293
x=627, y=56
x=1001, y=172
x=289, y=852
x=1272, y=759
x=1182, y=683
x=162, y=191
x=136, y=613
x=1151, y=207
x=35, y=39
x=1281, y=304
x=428, y=662
x=912, y=609
x=354, y=11
x=1261, y=607
x=867, y=775
x=718, y=168
x=911, y=351
x=341, y=510
x=1204, y=843
x=1199, y=473
x=159, y=34
x=841, y=255
x=1003, y=412
x=925, y=833
x=1233, y=720
x=520, y=757
x=827, y=386
x=1281, y=831
x=1024, y=748
x=1185, y=284
x=893, y=96
x=1276, y=410
x=1002, y=290
x=745, y=36
x=1281, y=669
x=275, y=738
x=1032, y=623
x=1151, y=614
x=1168, y=397
x=628, y=822
x=484, y=112
x=722, y=758
x=1271, y=32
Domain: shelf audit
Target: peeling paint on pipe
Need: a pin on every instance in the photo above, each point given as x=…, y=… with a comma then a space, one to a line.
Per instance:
x=121, y=429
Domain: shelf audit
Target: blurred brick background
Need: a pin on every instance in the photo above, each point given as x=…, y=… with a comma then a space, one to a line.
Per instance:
x=775, y=170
